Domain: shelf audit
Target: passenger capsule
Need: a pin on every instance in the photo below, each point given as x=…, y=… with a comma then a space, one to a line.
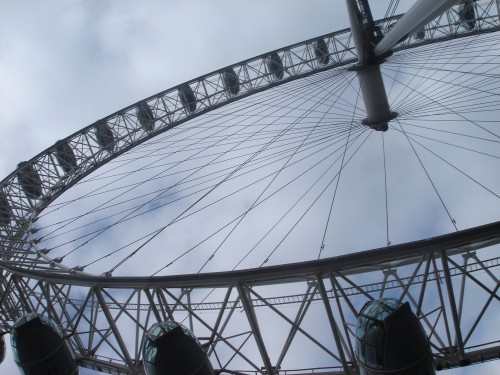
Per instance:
x=145, y=116
x=321, y=51
x=391, y=340
x=230, y=81
x=65, y=156
x=30, y=181
x=5, y=211
x=420, y=34
x=467, y=14
x=2, y=347
x=104, y=135
x=275, y=65
x=170, y=348
x=187, y=98
x=40, y=347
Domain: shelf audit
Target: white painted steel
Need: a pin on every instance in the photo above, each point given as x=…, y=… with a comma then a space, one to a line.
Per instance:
x=421, y=13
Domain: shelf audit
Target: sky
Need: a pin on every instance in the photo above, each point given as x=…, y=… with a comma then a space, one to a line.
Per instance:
x=65, y=64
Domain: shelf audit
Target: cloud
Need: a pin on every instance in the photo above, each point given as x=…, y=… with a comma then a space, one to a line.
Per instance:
x=63, y=66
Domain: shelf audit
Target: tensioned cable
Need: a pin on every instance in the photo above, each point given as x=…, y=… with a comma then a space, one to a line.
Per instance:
x=251, y=115
x=414, y=80
x=195, y=185
x=253, y=104
x=321, y=137
x=452, y=165
x=467, y=91
x=156, y=233
x=259, y=203
x=188, y=146
x=104, y=229
x=431, y=62
x=452, y=111
x=452, y=132
x=451, y=144
x=428, y=176
x=354, y=138
x=308, y=209
x=433, y=68
x=476, y=123
x=296, y=135
x=322, y=246
x=327, y=94
x=127, y=174
x=386, y=197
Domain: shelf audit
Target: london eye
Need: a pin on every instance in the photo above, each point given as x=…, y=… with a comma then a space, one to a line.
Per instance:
x=262, y=205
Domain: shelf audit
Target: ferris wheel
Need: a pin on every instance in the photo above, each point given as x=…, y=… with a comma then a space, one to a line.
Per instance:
x=259, y=207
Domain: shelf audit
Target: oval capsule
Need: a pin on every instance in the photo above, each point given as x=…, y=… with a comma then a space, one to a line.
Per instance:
x=321, y=51
x=275, y=65
x=171, y=348
x=29, y=179
x=40, y=348
x=231, y=81
x=104, y=135
x=145, y=116
x=65, y=156
x=187, y=98
x=5, y=210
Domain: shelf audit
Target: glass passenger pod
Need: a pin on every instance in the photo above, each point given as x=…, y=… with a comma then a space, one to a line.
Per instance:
x=145, y=116
x=467, y=14
x=40, y=348
x=5, y=210
x=275, y=65
x=104, y=135
x=65, y=156
x=231, y=81
x=171, y=348
x=2, y=347
x=420, y=34
x=187, y=98
x=29, y=179
x=391, y=340
x=321, y=51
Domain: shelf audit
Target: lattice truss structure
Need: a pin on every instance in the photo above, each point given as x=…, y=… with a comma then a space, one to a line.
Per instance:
x=259, y=320
x=299, y=317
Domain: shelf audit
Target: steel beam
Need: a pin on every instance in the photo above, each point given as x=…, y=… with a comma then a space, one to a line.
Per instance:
x=421, y=13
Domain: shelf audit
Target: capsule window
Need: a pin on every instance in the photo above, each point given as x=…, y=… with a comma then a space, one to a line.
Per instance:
x=145, y=116
x=321, y=51
x=65, y=156
x=230, y=81
x=187, y=98
x=104, y=135
x=275, y=65
x=29, y=179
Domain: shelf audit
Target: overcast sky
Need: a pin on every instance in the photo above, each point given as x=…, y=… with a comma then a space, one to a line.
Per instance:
x=65, y=64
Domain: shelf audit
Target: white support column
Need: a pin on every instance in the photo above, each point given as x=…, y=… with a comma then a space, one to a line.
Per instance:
x=378, y=113
x=421, y=13
x=357, y=30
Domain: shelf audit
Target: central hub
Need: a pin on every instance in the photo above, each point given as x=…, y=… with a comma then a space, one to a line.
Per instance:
x=378, y=112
